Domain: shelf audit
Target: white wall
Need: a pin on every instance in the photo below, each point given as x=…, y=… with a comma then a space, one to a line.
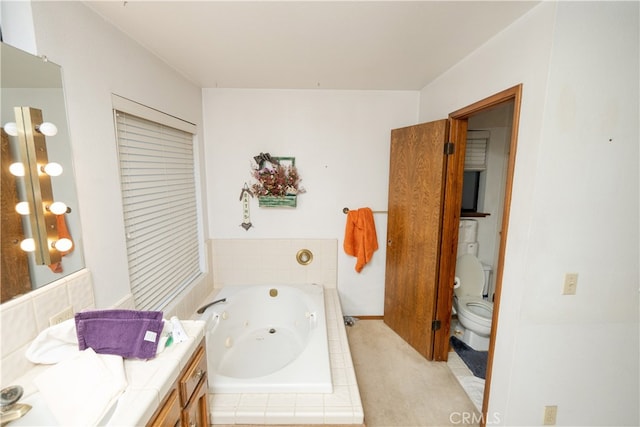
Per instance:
x=574, y=209
x=17, y=25
x=98, y=60
x=340, y=140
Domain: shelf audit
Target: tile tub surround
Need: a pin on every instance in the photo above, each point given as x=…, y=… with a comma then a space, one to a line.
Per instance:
x=342, y=407
x=258, y=261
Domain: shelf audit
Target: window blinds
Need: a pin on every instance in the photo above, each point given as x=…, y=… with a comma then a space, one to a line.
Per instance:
x=160, y=208
x=476, y=152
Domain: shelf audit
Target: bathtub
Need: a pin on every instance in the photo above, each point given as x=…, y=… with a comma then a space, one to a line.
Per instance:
x=268, y=339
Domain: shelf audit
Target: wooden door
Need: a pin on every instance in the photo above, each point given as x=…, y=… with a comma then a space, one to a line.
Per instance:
x=416, y=192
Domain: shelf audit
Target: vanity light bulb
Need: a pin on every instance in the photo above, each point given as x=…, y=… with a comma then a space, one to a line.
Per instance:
x=48, y=129
x=11, y=128
x=28, y=245
x=58, y=208
x=16, y=169
x=63, y=245
x=23, y=208
x=53, y=169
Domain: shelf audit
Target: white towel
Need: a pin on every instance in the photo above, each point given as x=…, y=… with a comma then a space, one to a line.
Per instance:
x=54, y=344
x=81, y=390
x=60, y=342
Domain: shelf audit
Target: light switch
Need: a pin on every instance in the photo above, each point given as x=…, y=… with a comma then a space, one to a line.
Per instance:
x=570, y=284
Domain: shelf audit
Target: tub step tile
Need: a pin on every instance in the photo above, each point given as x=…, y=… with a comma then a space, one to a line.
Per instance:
x=309, y=414
x=339, y=415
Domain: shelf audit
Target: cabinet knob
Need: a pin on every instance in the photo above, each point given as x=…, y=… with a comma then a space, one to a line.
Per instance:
x=199, y=373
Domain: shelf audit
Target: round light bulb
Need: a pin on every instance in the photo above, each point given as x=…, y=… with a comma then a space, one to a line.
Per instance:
x=23, y=208
x=11, y=128
x=16, y=169
x=63, y=245
x=53, y=169
x=46, y=128
x=58, y=208
x=28, y=245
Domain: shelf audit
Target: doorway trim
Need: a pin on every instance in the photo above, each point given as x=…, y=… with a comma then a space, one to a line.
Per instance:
x=458, y=126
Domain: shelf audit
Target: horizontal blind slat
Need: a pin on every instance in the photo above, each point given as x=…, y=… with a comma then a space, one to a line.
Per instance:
x=160, y=208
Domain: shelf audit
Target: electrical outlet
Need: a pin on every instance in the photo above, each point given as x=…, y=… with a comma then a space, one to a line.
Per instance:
x=550, y=413
x=570, y=284
x=65, y=314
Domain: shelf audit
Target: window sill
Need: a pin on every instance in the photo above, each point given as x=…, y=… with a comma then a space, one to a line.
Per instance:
x=474, y=214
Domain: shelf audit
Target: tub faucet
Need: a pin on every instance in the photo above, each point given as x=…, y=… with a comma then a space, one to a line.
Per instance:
x=204, y=307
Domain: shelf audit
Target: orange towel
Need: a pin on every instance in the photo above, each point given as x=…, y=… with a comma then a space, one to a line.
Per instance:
x=360, y=239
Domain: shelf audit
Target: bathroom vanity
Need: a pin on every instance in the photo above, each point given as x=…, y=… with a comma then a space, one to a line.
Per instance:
x=186, y=403
x=170, y=389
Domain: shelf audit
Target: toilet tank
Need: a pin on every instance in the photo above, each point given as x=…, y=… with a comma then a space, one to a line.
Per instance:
x=468, y=231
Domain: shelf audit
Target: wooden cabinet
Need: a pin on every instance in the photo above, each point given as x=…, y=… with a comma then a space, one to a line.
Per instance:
x=186, y=404
x=168, y=415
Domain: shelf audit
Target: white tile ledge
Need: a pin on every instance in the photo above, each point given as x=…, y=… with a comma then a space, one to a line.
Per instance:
x=148, y=381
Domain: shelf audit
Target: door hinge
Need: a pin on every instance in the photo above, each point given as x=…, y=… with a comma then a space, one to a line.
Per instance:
x=449, y=148
x=435, y=325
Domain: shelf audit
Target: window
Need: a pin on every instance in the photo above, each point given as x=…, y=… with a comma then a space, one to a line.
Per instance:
x=470, y=191
x=475, y=164
x=157, y=178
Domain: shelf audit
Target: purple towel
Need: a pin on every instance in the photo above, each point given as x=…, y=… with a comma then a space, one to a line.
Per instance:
x=118, y=314
x=127, y=333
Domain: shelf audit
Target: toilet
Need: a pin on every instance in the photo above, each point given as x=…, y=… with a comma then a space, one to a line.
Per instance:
x=474, y=312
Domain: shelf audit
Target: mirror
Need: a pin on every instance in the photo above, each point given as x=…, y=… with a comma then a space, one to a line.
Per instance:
x=32, y=95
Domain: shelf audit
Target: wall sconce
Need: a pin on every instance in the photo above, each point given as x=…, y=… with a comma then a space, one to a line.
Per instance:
x=34, y=167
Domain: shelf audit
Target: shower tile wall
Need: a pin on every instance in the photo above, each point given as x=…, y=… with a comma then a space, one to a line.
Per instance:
x=267, y=261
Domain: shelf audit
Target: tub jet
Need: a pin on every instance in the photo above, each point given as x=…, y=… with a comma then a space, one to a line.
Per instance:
x=272, y=331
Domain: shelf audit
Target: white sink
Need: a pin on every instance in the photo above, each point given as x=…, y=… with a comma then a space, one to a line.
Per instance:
x=41, y=415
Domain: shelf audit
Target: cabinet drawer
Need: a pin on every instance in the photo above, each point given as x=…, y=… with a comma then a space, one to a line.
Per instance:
x=196, y=369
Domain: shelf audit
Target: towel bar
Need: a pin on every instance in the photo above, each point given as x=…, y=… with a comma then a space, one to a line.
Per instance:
x=346, y=210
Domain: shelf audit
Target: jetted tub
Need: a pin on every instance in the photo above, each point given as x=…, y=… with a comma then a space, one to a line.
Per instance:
x=268, y=339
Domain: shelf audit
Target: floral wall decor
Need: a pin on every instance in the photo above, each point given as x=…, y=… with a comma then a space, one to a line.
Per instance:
x=277, y=182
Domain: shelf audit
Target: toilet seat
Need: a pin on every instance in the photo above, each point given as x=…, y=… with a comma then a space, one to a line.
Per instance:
x=474, y=313
x=476, y=309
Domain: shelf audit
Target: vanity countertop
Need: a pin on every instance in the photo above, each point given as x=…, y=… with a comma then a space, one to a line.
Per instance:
x=148, y=381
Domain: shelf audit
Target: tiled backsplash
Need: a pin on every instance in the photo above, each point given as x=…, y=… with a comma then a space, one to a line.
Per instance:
x=266, y=261
x=23, y=318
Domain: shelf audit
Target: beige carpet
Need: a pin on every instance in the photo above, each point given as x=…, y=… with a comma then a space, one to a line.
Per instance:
x=398, y=387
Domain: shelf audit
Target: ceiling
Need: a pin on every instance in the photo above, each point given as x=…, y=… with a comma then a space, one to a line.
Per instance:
x=369, y=45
